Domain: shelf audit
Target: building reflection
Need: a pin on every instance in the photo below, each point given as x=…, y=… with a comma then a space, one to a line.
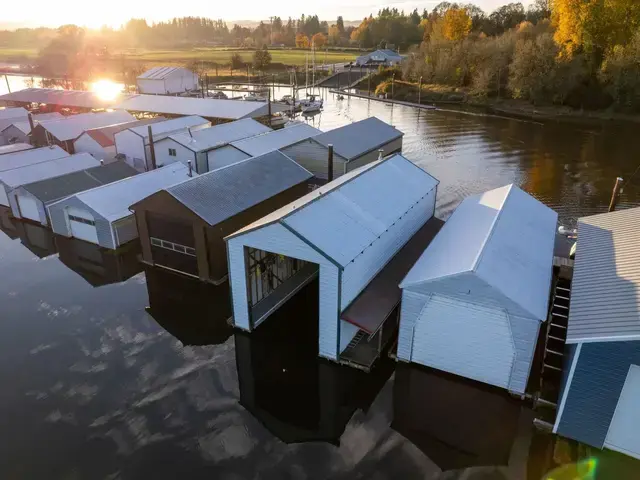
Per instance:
x=194, y=312
x=99, y=266
x=294, y=394
x=39, y=240
x=8, y=223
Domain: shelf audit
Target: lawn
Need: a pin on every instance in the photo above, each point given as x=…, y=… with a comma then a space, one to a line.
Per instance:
x=220, y=56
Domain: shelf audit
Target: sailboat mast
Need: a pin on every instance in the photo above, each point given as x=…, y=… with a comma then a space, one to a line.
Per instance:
x=313, y=67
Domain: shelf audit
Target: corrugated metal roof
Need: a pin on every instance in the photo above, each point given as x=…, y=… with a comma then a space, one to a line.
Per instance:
x=216, y=136
x=71, y=127
x=14, y=147
x=65, y=98
x=358, y=138
x=41, y=117
x=112, y=201
x=105, y=136
x=268, y=142
x=605, y=291
x=227, y=191
x=168, y=126
x=160, y=73
x=344, y=217
x=205, y=107
x=506, y=236
x=30, y=157
x=52, y=168
x=7, y=113
x=25, y=127
x=60, y=187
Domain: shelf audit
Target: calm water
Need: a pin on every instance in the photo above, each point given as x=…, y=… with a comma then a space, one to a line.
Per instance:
x=110, y=372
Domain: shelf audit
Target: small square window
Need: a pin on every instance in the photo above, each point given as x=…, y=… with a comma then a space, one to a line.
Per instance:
x=172, y=152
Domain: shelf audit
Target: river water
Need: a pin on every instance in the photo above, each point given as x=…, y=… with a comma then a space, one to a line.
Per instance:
x=111, y=372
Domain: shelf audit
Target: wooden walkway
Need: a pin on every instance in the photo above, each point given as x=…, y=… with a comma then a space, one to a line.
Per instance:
x=384, y=100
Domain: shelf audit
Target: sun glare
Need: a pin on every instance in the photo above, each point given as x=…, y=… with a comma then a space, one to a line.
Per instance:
x=106, y=89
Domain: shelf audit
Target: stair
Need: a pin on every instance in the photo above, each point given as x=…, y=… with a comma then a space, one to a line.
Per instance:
x=355, y=340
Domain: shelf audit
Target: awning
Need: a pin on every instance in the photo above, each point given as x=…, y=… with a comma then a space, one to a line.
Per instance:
x=376, y=302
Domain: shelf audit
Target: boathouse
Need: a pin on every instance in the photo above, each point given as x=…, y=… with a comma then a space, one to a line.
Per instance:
x=354, y=145
x=101, y=215
x=473, y=303
x=198, y=146
x=101, y=142
x=20, y=130
x=23, y=158
x=29, y=201
x=182, y=227
x=340, y=232
x=167, y=80
x=385, y=57
x=600, y=396
x=12, y=115
x=133, y=143
x=64, y=131
x=11, y=179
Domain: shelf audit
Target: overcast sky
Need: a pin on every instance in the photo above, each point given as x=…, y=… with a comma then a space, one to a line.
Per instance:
x=115, y=12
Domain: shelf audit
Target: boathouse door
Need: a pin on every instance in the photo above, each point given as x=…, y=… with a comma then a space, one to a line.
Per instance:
x=624, y=434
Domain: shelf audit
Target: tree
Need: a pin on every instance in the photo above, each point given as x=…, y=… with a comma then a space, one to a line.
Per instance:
x=340, y=25
x=261, y=59
x=334, y=35
x=236, y=61
x=319, y=40
x=302, y=41
x=457, y=24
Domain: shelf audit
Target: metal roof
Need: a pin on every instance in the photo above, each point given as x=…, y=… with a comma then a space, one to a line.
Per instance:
x=205, y=107
x=33, y=156
x=41, y=117
x=25, y=127
x=218, y=135
x=112, y=201
x=605, y=291
x=52, y=168
x=268, y=142
x=14, y=147
x=8, y=113
x=358, y=138
x=345, y=217
x=105, y=136
x=71, y=127
x=60, y=187
x=160, y=73
x=227, y=191
x=506, y=237
x=170, y=126
x=64, y=98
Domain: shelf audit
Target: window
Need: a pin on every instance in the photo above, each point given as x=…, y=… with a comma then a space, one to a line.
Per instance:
x=86, y=221
x=176, y=247
x=172, y=152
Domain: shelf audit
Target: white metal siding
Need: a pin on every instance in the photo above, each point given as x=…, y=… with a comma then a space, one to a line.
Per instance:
x=125, y=230
x=358, y=274
x=394, y=146
x=15, y=134
x=524, y=333
x=28, y=207
x=150, y=86
x=313, y=156
x=223, y=156
x=410, y=309
x=132, y=146
x=4, y=199
x=466, y=340
x=624, y=431
x=88, y=145
x=183, y=154
x=347, y=332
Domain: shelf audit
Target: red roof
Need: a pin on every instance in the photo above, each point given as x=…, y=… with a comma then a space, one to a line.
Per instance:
x=105, y=136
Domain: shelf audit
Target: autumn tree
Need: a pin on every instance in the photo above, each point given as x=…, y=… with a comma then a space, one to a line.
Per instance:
x=319, y=40
x=456, y=24
x=302, y=41
x=334, y=35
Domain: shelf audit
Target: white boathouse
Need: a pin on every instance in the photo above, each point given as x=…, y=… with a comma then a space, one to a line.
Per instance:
x=167, y=81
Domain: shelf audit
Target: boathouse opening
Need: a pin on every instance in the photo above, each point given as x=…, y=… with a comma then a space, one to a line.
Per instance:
x=173, y=244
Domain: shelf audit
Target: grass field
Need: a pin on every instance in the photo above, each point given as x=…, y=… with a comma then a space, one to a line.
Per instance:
x=212, y=55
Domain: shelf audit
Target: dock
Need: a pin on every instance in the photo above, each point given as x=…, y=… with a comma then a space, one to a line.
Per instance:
x=384, y=100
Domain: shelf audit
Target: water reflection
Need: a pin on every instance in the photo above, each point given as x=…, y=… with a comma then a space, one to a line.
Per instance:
x=8, y=223
x=39, y=240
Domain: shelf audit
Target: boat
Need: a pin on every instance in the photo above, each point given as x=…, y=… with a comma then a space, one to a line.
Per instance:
x=278, y=121
x=254, y=97
x=312, y=104
x=219, y=95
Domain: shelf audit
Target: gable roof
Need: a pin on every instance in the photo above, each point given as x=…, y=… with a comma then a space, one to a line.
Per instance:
x=344, y=217
x=112, y=201
x=218, y=135
x=160, y=129
x=64, y=98
x=277, y=139
x=605, y=290
x=32, y=156
x=24, y=127
x=52, y=168
x=14, y=147
x=70, y=128
x=9, y=113
x=160, y=73
x=506, y=237
x=358, y=138
x=105, y=136
x=220, y=194
x=59, y=187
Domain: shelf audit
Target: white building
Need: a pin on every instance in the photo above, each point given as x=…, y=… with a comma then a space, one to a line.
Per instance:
x=384, y=57
x=167, y=80
x=11, y=179
x=19, y=129
x=196, y=145
x=101, y=143
x=11, y=115
x=133, y=143
x=473, y=303
x=342, y=232
x=32, y=156
x=102, y=216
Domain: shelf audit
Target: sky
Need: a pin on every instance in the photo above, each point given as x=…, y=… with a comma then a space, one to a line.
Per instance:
x=116, y=12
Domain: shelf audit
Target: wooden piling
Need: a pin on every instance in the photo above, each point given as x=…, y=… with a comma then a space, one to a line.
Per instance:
x=152, y=149
x=330, y=164
x=615, y=195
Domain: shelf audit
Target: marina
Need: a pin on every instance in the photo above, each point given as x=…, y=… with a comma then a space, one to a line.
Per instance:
x=221, y=401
